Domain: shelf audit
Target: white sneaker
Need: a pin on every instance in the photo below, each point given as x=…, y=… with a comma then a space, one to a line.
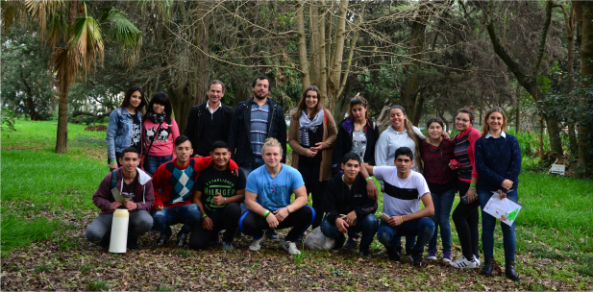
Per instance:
x=290, y=247
x=478, y=263
x=462, y=262
x=256, y=243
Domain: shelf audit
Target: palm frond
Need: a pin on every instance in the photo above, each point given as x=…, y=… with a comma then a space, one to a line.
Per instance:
x=10, y=11
x=120, y=28
x=65, y=65
x=87, y=42
x=57, y=28
x=43, y=11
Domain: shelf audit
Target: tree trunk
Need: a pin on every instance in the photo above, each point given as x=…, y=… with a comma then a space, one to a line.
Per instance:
x=31, y=107
x=418, y=109
x=569, y=21
x=336, y=67
x=302, y=45
x=314, y=59
x=204, y=67
x=518, y=113
x=585, y=137
x=322, y=59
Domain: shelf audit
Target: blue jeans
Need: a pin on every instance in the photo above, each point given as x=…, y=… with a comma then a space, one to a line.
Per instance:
x=422, y=228
x=188, y=215
x=247, y=169
x=488, y=225
x=368, y=225
x=151, y=163
x=442, y=213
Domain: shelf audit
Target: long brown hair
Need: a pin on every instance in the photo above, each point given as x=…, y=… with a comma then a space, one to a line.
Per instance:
x=486, y=128
x=356, y=101
x=412, y=134
x=303, y=105
x=128, y=95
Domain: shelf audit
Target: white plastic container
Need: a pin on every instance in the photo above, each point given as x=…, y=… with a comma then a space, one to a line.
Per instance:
x=119, y=231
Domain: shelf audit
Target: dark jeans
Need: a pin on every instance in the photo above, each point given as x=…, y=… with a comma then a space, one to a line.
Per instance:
x=254, y=225
x=310, y=173
x=442, y=213
x=368, y=225
x=422, y=228
x=189, y=215
x=226, y=218
x=488, y=225
x=467, y=218
x=247, y=169
x=151, y=163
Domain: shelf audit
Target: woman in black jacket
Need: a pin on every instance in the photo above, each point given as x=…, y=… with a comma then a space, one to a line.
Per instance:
x=356, y=133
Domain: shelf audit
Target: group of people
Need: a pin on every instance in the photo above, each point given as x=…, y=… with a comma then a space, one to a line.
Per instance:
x=227, y=172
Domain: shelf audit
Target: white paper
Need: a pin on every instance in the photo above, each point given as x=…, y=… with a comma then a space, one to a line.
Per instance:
x=505, y=210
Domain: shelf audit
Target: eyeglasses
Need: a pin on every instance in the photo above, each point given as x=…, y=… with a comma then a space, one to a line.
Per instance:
x=462, y=120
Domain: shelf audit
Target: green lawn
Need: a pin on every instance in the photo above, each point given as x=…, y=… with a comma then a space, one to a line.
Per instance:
x=46, y=196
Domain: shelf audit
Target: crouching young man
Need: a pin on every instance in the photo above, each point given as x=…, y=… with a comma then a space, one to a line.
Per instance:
x=218, y=195
x=173, y=184
x=404, y=189
x=349, y=209
x=132, y=183
x=267, y=197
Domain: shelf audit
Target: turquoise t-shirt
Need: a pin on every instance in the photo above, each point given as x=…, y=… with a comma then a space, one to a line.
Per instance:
x=274, y=194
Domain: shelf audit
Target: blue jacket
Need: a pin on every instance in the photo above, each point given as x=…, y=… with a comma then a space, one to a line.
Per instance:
x=241, y=127
x=497, y=160
x=119, y=132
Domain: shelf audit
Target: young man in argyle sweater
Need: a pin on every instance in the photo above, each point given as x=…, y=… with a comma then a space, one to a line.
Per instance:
x=173, y=184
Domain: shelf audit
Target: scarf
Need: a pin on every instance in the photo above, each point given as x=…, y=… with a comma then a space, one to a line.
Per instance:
x=307, y=125
x=156, y=118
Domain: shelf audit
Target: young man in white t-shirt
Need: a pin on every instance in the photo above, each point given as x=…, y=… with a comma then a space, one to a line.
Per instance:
x=404, y=188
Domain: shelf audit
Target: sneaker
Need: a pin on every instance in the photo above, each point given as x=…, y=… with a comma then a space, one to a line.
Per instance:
x=133, y=243
x=256, y=244
x=104, y=242
x=364, y=252
x=181, y=239
x=432, y=255
x=462, y=262
x=215, y=240
x=227, y=246
x=272, y=235
x=417, y=260
x=477, y=259
x=447, y=257
x=393, y=254
x=290, y=247
x=163, y=238
x=339, y=244
x=351, y=243
x=409, y=253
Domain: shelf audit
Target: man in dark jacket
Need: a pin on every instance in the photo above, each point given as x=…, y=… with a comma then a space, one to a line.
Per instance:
x=255, y=120
x=132, y=183
x=209, y=122
x=348, y=206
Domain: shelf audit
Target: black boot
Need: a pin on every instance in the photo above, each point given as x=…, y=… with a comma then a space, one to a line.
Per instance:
x=394, y=253
x=417, y=260
x=339, y=243
x=510, y=270
x=163, y=238
x=488, y=266
x=104, y=242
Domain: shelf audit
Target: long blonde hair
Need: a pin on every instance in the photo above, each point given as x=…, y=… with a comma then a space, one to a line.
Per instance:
x=486, y=128
x=412, y=134
x=303, y=105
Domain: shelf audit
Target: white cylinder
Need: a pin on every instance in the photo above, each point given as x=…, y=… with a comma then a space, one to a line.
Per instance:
x=119, y=231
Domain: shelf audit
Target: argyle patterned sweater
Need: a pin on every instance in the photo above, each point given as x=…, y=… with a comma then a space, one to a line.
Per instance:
x=173, y=185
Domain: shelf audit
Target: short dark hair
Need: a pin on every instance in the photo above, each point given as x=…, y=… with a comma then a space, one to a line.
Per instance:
x=351, y=156
x=130, y=149
x=219, y=144
x=435, y=120
x=260, y=78
x=217, y=82
x=181, y=139
x=404, y=151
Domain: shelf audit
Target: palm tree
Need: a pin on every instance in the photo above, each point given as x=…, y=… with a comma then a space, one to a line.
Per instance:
x=82, y=42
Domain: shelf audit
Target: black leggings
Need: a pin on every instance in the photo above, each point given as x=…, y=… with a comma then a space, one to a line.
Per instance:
x=227, y=218
x=310, y=173
x=253, y=225
x=467, y=218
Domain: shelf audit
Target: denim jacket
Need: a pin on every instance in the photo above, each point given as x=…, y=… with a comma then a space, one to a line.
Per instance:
x=119, y=132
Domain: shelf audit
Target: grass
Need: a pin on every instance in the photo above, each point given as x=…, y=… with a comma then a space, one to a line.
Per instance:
x=38, y=187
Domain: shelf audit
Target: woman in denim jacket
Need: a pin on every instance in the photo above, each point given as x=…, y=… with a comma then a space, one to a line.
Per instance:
x=125, y=126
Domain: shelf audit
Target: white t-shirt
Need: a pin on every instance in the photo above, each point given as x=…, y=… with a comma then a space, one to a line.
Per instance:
x=402, y=196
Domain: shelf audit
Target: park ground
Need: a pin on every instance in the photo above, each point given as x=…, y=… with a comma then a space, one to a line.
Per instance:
x=46, y=207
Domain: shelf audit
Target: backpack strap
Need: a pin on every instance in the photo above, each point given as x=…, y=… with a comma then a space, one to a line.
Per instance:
x=113, y=179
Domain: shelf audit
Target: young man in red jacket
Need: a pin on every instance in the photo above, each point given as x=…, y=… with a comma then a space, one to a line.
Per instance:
x=174, y=183
x=132, y=183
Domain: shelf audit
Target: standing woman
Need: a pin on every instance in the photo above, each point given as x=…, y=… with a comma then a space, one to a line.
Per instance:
x=437, y=153
x=159, y=131
x=466, y=216
x=498, y=161
x=401, y=134
x=124, y=127
x=359, y=134
x=311, y=136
